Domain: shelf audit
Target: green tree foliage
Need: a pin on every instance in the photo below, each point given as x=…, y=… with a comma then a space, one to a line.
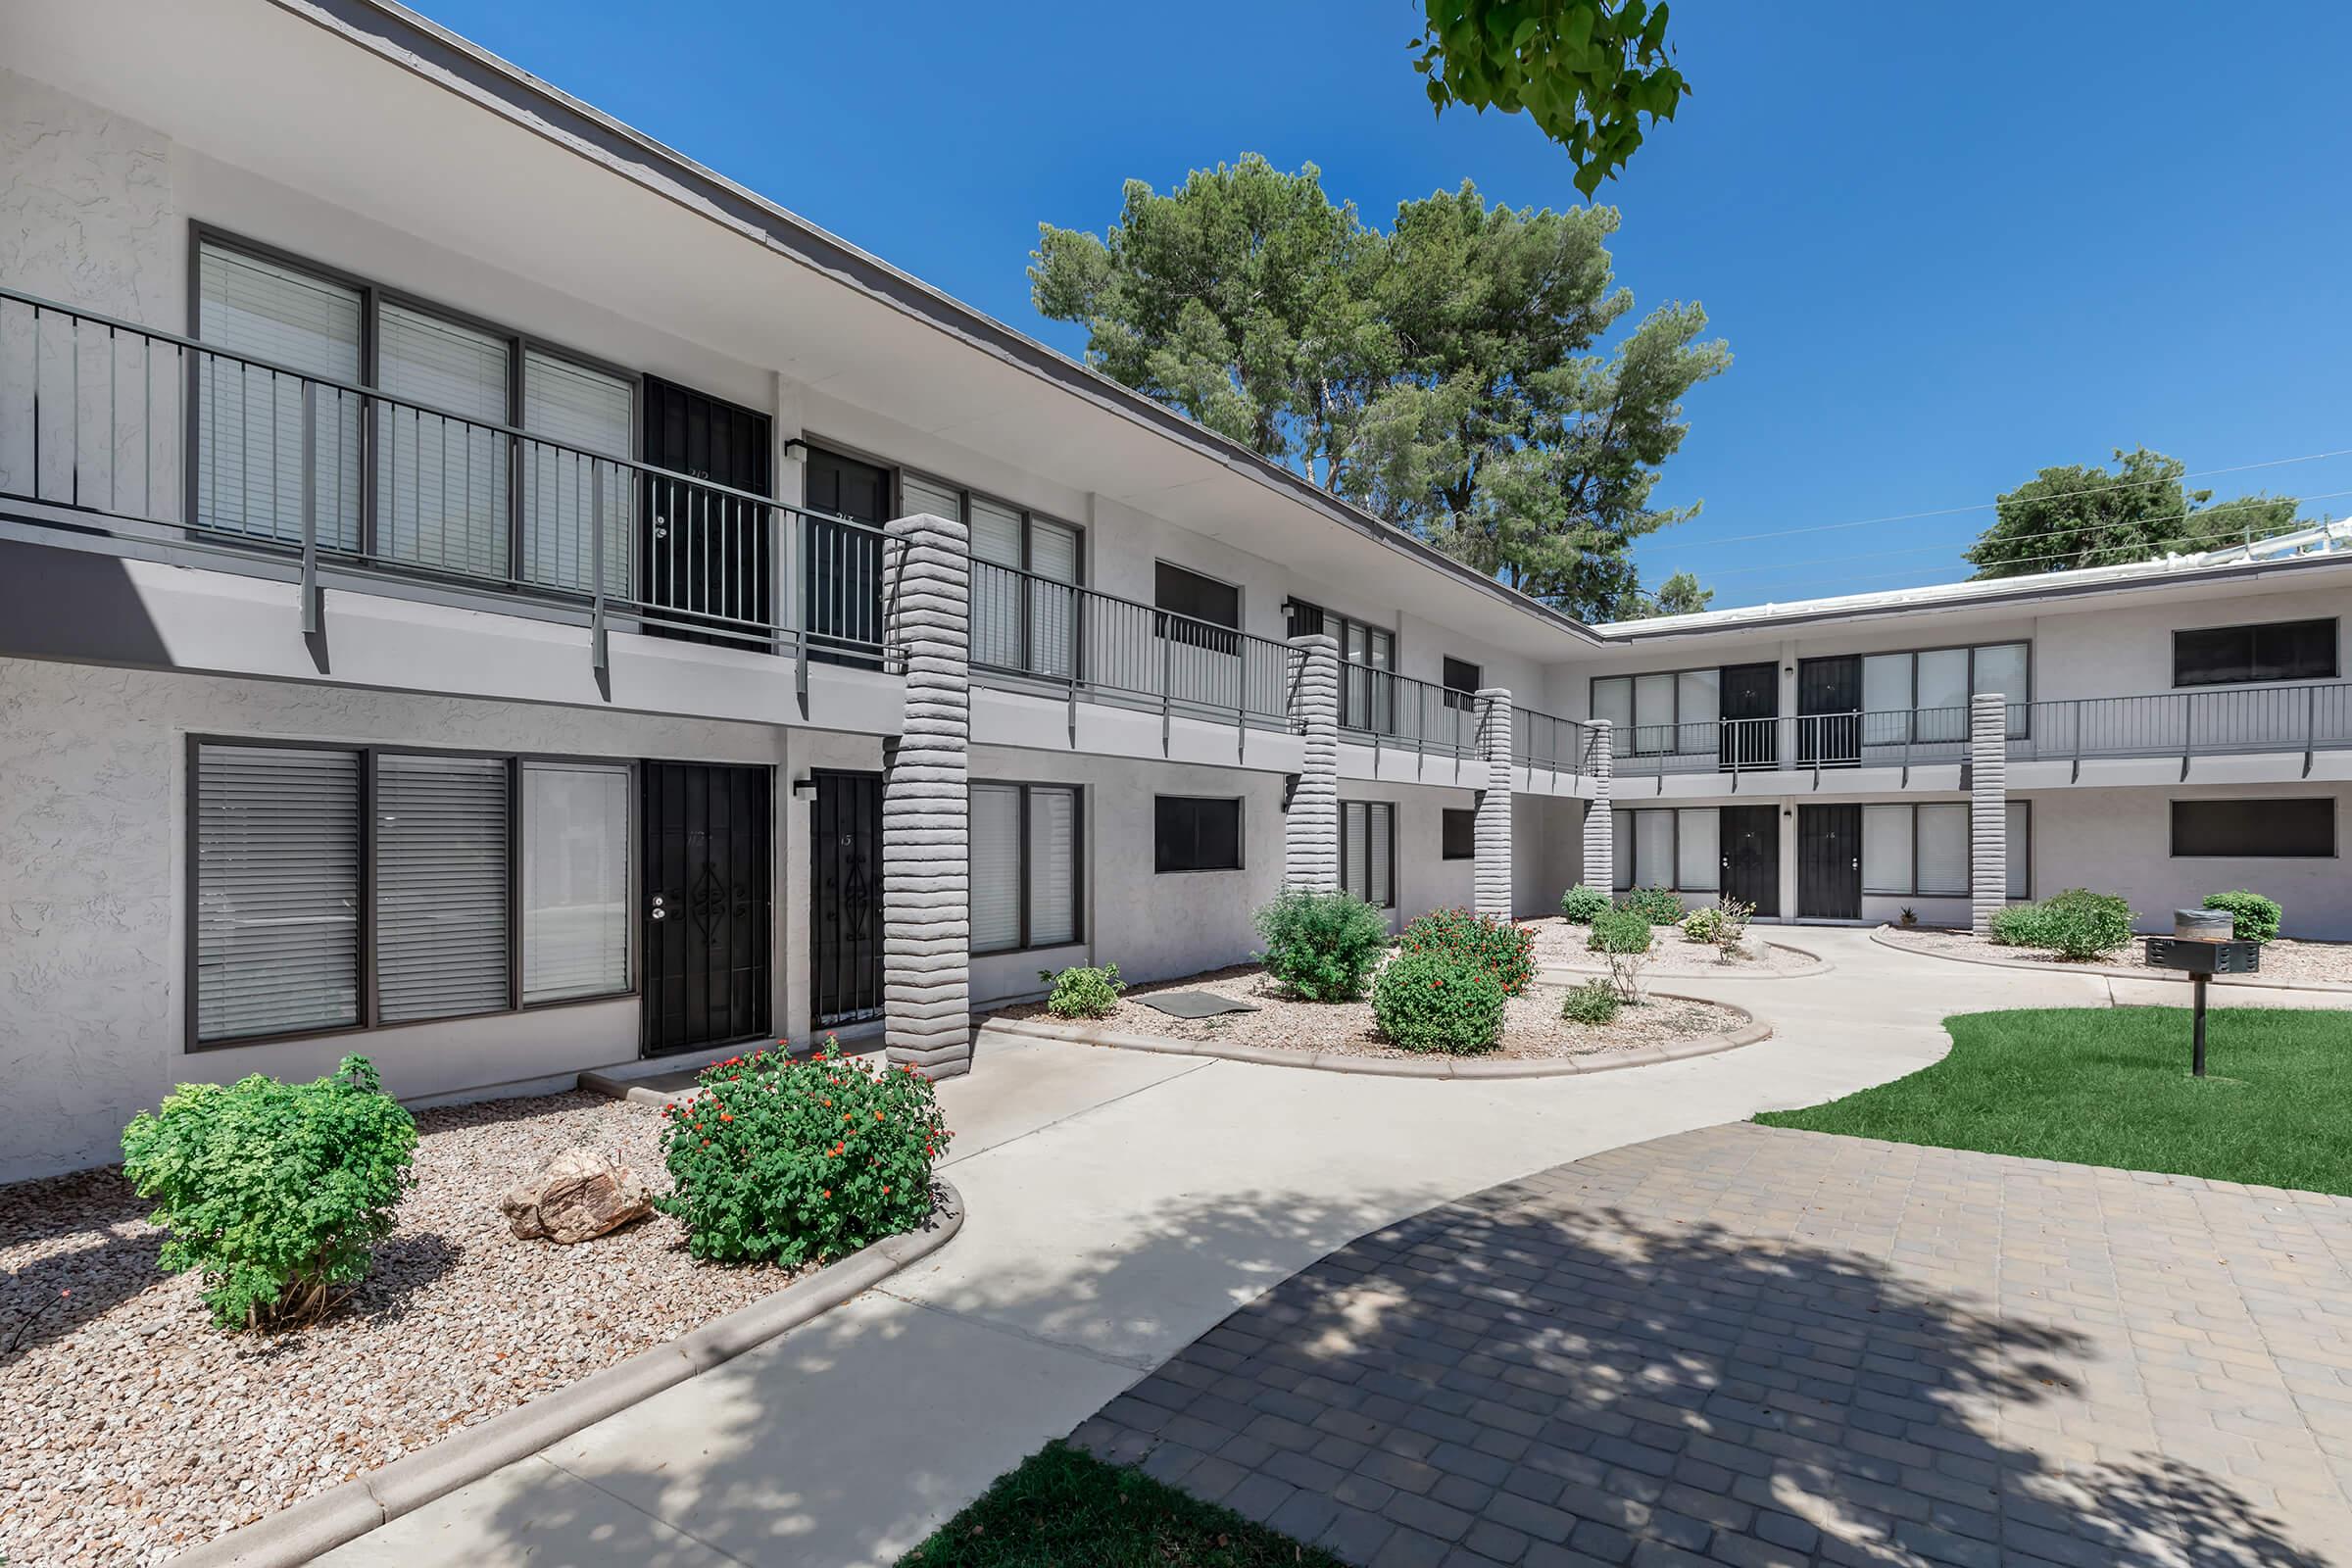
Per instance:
x=1678, y=594
x=1446, y=374
x=2091, y=517
x=1584, y=70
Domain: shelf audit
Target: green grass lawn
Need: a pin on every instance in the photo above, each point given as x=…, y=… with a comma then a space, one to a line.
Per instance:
x=1064, y=1509
x=2111, y=1086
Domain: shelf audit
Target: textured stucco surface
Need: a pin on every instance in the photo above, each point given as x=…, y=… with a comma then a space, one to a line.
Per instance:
x=86, y=210
x=92, y=862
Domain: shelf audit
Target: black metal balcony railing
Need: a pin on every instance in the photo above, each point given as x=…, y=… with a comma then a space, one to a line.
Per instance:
x=1542, y=742
x=1030, y=629
x=1381, y=709
x=119, y=430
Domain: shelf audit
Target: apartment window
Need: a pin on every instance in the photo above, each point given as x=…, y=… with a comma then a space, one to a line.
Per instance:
x=2299, y=827
x=1670, y=712
x=1676, y=848
x=2020, y=850
x=1025, y=611
x=1915, y=850
x=1195, y=833
x=1462, y=680
x=1025, y=880
x=1368, y=665
x=443, y=493
x=1205, y=604
x=1922, y=696
x=1368, y=851
x=1459, y=834
x=340, y=888
x=2237, y=656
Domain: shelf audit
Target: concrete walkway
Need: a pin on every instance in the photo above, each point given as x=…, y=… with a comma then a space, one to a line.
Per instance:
x=1751, y=1346
x=1121, y=1205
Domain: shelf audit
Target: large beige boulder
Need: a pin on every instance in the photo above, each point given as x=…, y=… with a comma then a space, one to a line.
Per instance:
x=579, y=1195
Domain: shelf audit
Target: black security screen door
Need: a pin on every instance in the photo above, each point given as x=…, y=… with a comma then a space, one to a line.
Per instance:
x=1751, y=855
x=707, y=907
x=844, y=888
x=1829, y=699
x=1828, y=863
x=705, y=556
x=1751, y=692
x=841, y=568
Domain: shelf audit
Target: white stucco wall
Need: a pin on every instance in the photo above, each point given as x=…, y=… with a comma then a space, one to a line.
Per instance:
x=2120, y=841
x=92, y=917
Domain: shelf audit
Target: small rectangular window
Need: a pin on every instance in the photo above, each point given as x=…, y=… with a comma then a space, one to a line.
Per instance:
x=1886, y=864
x=2234, y=656
x=1944, y=862
x=1653, y=848
x=1195, y=833
x=1367, y=851
x=995, y=830
x=1462, y=679
x=1621, y=848
x=2020, y=850
x=576, y=907
x=441, y=886
x=2301, y=828
x=1189, y=593
x=1026, y=870
x=1697, y=850
x=1460, y=834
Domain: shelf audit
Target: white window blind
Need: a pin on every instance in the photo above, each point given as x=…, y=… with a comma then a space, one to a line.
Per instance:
x=1886, y=848
x=918, y=495
x=278, y=889
x=1943, y=679
x=594, y=411
x=1654, y=711
x=1052, y=610
x=576, y=880
x=995, y=852
x=1621, y=845
x=1698, y=850
x=441, y=886
x=2006, y=669
x=1698, y=694
x=1053, y=867
x=1352, y=871
x=1887, y=683
x=2021, y=848
x=1613, y=700
x=997, y=594
x=1381, y=830
x=1943, y=849
x=249, y=421
x=440, y=483
x=1653, y=848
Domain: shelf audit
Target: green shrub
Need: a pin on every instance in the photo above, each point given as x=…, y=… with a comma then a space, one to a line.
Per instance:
x=278, y=1192
x=776, y=1160
x=1322, y=946
x=2076, y=924
x=1657, y=905
x=1582, y=903
x=1505, y=951
x=1080, y=992
x=1623, y=937
x=1703, y=925
x=2253, y=917
x=1434, y=1001
x=1594, y=1002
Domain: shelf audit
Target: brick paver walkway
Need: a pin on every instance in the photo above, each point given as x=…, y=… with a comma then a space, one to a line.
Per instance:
x=1751, y=1346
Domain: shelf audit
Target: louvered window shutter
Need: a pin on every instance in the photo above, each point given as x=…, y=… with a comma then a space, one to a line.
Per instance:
x=1052, y=608
x=1353, y=877
x=1380, y=832
x=441, y=483
x=278, y=889
x=595, y=412
x=995, y=866
x=997, y=591
x=441, y=886
x=1053, y=867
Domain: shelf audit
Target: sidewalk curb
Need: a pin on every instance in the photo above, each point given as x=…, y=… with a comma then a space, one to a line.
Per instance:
x=1447, y=1068
x=2113, y=971
x=343, y=1513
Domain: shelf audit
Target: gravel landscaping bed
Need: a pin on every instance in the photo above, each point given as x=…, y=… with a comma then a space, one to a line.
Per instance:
x=2284, y=962
x=132, y=1428
x=1561, y=944
x=1532, y=1027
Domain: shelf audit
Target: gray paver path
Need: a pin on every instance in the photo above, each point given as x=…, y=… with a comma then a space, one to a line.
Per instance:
x=1748, y=1345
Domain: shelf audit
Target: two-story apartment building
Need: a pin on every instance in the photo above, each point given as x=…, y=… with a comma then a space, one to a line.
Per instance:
x=481, y=590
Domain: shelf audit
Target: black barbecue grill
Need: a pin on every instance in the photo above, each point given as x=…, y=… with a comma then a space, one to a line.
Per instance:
x=2201, y=947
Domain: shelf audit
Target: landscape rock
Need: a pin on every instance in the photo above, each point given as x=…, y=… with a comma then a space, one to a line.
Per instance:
x=577, y=1196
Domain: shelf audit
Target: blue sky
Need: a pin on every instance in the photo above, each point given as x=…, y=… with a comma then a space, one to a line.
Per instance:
x=1949, y=245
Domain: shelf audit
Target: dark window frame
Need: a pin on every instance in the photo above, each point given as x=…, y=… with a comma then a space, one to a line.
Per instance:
x=1390, y=813
x=1030, y=517
x=1447, y=817
x=1452, y=672
x=1673, y=850
x=2020, y=705
x=1336, y=627
x=1968, y=821
x=2252, y=631
x=1678, y=723
x=1021, y=854
x=364, y=980
x=2265, y=804
x=1241, y=853
x=373, y=296
x=1187, y=629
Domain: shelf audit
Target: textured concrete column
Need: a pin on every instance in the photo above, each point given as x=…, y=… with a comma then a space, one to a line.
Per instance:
x=1310, y=834
x=1601, y=826
x=1492, y=881
x=926, y=807
x=1987, y=807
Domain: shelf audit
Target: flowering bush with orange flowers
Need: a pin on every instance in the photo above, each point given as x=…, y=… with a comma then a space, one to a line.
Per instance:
x=1501, y=949
x=1436, y=1001
x=782, y=1160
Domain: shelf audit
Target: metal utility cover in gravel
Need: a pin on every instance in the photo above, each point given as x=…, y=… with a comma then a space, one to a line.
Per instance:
x=1193, y=1004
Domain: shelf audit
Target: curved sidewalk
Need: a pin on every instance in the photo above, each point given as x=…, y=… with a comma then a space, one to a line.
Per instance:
x=1121, y=1205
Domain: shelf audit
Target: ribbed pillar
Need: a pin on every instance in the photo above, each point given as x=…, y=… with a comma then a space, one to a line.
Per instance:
x=1987, y=807
x=926, y=807
x=1310, y=834
x=1601, y=848
x=1493, y=838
